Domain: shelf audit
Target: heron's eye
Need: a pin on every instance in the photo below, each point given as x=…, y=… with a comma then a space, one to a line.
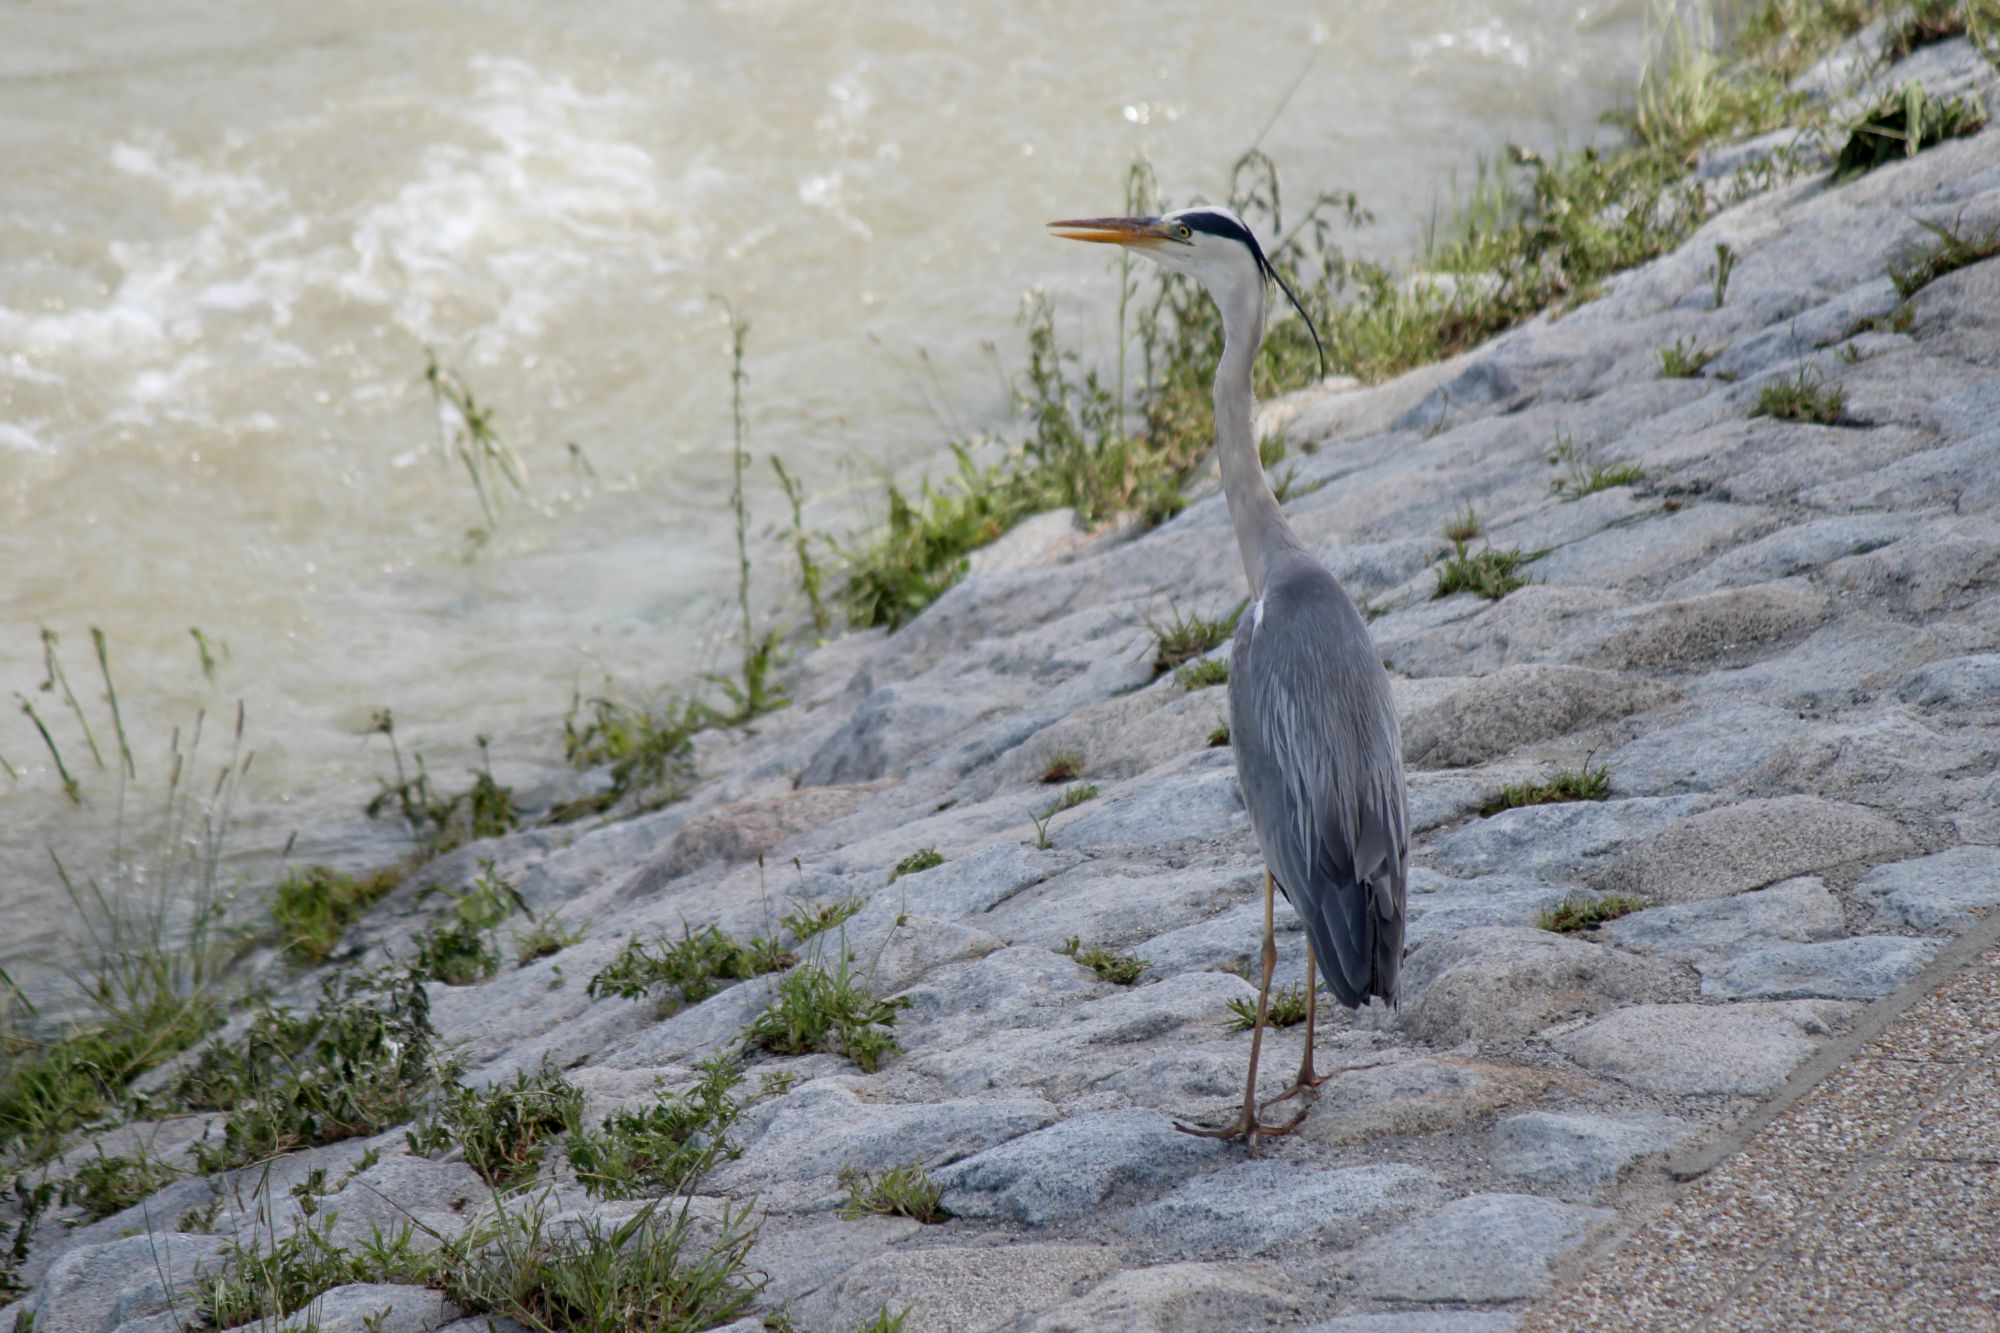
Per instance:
x=1181, y=230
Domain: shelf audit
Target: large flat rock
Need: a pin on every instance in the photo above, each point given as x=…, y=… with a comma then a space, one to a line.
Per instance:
x=1754, y=843
x=1736, y=1049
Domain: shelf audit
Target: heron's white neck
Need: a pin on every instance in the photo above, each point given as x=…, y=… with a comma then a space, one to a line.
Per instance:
x=1262, y=535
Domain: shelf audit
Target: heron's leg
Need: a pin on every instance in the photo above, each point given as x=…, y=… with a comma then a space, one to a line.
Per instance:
x=1307, y=1080
x=1248, y=1126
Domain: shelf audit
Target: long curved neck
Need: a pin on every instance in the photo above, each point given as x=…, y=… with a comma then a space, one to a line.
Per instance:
x=1262, y=535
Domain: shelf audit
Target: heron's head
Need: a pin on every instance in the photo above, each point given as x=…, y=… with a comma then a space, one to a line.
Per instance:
x=1209, y=244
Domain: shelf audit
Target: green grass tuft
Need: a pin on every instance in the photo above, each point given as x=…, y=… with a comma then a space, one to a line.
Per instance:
x=821, y=1008
x=503, y=1129
x=659, y=1271
x=1582, y=784
x=920, y=860
x=1903, y=125
x=1954, y=250
x=1583, y=475
x=1804, y=397
x=1578, y=912
x=900, y=1191
x=667, y=1147
x=314, y=905
x=693, y=967
x=1490, y=573
x=106, y=1185
x=1219, y=737
x=1062, y=766
x=1120, y=969
x=360, y=1062
x=1286, y=1009
x=1203, y=673
x=1684, y=360
x=1185, y=638
x=1463, y=526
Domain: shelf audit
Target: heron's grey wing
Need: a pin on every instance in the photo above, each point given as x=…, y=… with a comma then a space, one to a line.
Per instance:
x=1320, y=761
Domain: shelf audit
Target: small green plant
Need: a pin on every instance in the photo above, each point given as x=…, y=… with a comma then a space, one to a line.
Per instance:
x=502, y=1129
x=1464, y=525
x=1489, y=572
x=1219, y=737
x=268, y=1276
x=1900, y=320
x=1579, y=784
x=1684, y=360
x=649, y=751
x=466, y=433
x=1804, y=396
x=665, y=1148
x=460, y=950
x=1062, y=766
x=359, y=1062
x=882, y=1322
x=1287, y=1008
x=1583, y=475
x=314, y=905
x=29, y=1205
x=1185, y=638
x=1203, y=673
x=1719, y=271
x=1070, y=798
x=655, y=1272
x=1120, y=969
x=1903, y=125
x=106, y=1185
x=1579, y=912
x=693, y=966
x=544, y=936
x=822, y=1008
x=811, y=576
x=1271, y=451
x=900, y=1191
x=921, y=859
x=806, y=920
x=438, y=821
x=1953, y=250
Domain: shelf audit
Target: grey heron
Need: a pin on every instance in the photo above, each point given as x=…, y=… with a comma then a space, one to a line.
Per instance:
x=1311, y=722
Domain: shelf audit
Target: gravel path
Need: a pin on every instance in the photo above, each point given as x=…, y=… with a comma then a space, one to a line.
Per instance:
x=1870, y=1201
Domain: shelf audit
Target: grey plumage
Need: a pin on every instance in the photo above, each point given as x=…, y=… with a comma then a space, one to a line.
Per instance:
x=1320, y=762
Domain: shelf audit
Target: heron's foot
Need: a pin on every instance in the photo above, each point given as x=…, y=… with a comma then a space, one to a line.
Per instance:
x=1309, y=1082
x=1246, y=1126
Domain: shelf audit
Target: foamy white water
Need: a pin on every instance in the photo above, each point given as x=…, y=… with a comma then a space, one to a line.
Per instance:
x=230, y=232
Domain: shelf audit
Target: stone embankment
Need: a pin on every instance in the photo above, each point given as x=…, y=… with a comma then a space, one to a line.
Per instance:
x=1780, y=638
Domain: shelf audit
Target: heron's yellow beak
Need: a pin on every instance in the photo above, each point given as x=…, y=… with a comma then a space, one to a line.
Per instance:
x=1112, y=231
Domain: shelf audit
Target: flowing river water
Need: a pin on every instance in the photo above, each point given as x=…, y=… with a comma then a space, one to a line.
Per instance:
x=231, y=233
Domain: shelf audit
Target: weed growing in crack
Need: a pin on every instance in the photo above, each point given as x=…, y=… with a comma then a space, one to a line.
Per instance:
x=1491, y=573
x=1579, y=784
x=1120, y=969
x=1953, y=250
x=668, y=1146
x=1684, y=360
x=821, y=1006
x=920, y=860
x=1583, y=475
x=503, y=1129
x=1185, y=638
x=900, y=1191
x=1579, y=912
x=1203, y=673
x=1062, y=766
x=694, y=966
x=1805, y=396
x=1286, y=1009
